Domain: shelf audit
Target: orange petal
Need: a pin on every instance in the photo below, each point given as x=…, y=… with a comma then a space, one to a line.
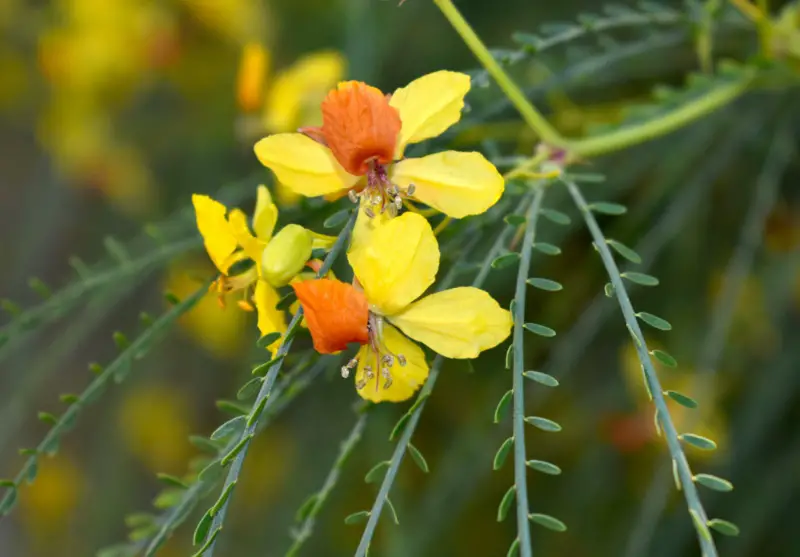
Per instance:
x=336, y=313
x=359, y=126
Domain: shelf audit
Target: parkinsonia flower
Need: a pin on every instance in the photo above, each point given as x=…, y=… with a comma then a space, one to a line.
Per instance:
x=276, y=260
x=360, y=147
x=456, y=323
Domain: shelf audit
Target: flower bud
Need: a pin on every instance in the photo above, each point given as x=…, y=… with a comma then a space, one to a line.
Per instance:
x=286, y=254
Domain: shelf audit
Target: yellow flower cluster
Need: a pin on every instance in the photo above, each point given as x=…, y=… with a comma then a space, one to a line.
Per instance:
x=359, y=150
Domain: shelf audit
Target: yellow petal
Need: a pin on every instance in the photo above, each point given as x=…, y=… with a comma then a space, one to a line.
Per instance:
x=253, y=69
x=429, y=105
x=405, y=379
x=218, y=237
x=295, y=97
x=365, y=226
x=457, y=184
x=321, y=241
x=265, y=216
x=456, y=323
x=270, y=320
x=397, y=263
x=251, y=245
x=302, y=164
x=286, y=254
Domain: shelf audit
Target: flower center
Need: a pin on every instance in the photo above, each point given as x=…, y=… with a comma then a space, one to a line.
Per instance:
x=243, y=283
x=380, y=193
x=378, y=354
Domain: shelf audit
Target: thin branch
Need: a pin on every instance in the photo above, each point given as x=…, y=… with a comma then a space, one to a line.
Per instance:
x=673, y=442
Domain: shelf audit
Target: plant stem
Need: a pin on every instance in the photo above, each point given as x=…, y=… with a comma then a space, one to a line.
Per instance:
x=654, y=386
x=520, y=466
x=532, y=117
x=632, y=135
x=247, y=435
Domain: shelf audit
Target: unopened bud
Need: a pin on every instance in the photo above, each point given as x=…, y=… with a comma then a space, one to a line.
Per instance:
x=286, y=254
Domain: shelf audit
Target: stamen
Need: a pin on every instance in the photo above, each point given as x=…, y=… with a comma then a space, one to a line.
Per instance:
x=350, y=366
x=411, y=189
x=245, y=305
x=401, y=360
x=345, y=372
x=369, y=212
x=361, y=383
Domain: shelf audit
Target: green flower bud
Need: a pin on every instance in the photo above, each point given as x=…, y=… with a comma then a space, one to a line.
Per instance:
x=286, y=254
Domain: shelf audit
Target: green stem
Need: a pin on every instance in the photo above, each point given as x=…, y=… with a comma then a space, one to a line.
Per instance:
x=632, y=135
x=532, y=117
x=520, y=466
x=670, y=433
x=249, y=432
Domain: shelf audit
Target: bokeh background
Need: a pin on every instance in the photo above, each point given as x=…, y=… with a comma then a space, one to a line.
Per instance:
x=113, y=112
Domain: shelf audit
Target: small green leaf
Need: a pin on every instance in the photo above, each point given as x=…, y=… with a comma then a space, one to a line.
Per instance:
x=624, y=251
x=514, y=549
x=505, y=260
x=505, y=503
x=95, y=368
x=675, y=475
x=355, y=518
x=204, y=444
x=713, y=482
x=250, y=389
x=10, y=307
x=654, y=321
x=606, y=208
x=544, y=467
x=8, y=483
x=399, y=426
x=223, y=498
x=724, y=527
x=391, y=508
x=545, y=284
x=640, y=278
x=545, y=248
x=268, y=339
x=47, y=418
x=664, y=358
x=171, y=299
x=540, y=330
x=39, y=287
x=587, y=178
x=698, y=441
x=137, y=520
x=306, y=508
x=121, y=340
x=8, y=502
x=213, y=536
x=502, y=406
x=681, y=399
x=211, y=474
x=377, y=472
x=502, y=453
x=418, y=458
x=262, y=369
x=543, y=423
x=230, y=428
x=542, y=378
x=236, y=450
x=608, y=290
x=337, y=219
x=69, y=398
x=233, y=408
x=201, y=531
x=548, y=522
x=286, y=301
x=514, y=220
x=700, y=525
x=172, y=481
x=556, y=217
x=256, y=413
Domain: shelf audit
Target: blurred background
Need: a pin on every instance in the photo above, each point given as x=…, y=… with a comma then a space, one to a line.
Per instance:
x=113, y=112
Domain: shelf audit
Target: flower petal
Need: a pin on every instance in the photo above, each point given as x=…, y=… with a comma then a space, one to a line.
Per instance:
x=321, y=241
x=429, y=105
x=251, y=245
x=270, y=320
x=397, y=262
x=457, y=184
x=456, y=323
x=218, y=237
x=335, y=312
x=365, y=226
x=405, y=379
x=265, y=215
x=302, y=164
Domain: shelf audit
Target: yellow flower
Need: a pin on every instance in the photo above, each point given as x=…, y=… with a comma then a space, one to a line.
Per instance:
x=275, y=259
x=51, y=500
x=394, y=267
x=362, y=135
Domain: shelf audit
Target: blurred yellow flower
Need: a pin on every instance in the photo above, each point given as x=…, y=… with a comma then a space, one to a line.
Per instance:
x=238, y=21
x=271, y=460
x=155, y=421
x=707, y=419
x=50, y=501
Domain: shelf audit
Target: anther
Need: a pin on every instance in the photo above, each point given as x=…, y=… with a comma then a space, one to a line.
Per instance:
x=388, y=359
x=387, y=377
x=401, y=359
x=368, y=372
x=398, y=202
x=369, y=212
x=360, y=384
x=353, y=196
x=411, y=189
x=345, y=372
